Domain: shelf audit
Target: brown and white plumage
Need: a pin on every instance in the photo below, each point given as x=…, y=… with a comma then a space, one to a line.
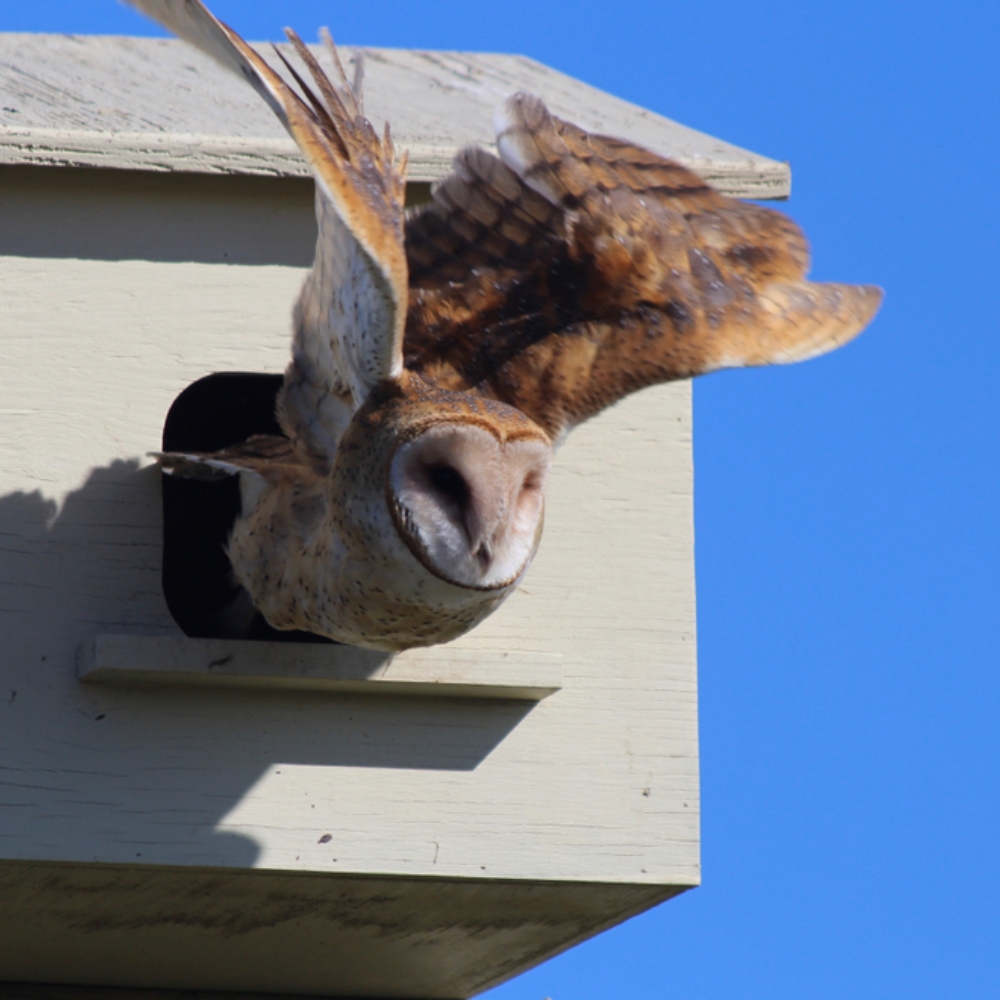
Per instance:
x=590, y=268
x=437, y=360
x=350, y=315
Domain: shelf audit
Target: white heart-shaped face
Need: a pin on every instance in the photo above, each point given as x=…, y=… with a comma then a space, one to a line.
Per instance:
x=470, y=505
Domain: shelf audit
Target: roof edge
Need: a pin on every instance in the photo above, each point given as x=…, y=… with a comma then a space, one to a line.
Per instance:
x=212, y=154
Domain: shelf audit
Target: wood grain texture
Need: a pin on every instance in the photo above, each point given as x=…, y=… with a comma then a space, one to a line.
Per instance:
x=283, y=934
x=155, y=104
x=597, y=785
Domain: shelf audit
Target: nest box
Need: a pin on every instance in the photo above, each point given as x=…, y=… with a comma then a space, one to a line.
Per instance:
x=178, y=811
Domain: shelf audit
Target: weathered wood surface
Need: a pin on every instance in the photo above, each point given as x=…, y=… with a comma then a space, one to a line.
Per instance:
x=445, y=671
x=277, y=933
x=114, y=298
x=155, y=104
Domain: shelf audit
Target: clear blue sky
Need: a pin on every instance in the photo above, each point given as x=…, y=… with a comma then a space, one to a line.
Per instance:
x=847, y=546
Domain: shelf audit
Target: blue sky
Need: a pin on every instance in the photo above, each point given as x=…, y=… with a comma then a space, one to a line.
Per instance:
x=847, y=550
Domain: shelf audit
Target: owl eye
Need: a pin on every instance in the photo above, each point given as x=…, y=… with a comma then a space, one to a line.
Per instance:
x=532, y=482
x=449, y=483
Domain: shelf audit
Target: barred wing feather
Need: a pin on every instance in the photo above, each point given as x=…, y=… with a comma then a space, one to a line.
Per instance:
x=350, y=317
x=590, y=268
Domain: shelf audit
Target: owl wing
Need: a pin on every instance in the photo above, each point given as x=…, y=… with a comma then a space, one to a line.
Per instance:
x=350, y=316
x=578, y=268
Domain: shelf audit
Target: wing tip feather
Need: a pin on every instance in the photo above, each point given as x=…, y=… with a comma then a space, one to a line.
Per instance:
x=800, y=321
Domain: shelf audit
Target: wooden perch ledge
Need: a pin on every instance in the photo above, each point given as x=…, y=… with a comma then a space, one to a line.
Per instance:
x=440, y=671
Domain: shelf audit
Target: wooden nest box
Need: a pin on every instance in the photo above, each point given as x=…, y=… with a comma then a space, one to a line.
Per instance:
x=295, y=818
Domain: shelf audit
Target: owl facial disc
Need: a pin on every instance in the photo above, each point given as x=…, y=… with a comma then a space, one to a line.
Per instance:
x=468, y=504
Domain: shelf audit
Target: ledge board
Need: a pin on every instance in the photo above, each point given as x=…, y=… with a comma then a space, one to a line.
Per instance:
x=158, y=105
x=437, y=671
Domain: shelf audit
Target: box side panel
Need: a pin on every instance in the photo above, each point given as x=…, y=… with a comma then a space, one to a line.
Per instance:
x=599, y=782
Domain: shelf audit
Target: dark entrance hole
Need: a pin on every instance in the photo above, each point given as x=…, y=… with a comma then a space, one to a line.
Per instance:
x=201, y=592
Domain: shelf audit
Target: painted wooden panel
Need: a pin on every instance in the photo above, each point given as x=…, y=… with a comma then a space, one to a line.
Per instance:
x=94, y=352
x=111, y=306
x=155, y=104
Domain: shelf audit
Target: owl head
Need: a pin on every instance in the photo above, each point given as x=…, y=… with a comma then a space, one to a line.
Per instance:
x=424, y=523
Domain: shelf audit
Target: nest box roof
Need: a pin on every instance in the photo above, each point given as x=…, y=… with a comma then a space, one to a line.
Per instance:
x=158, y=105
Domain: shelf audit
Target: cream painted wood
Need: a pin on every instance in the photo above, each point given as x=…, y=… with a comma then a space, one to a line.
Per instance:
x=156, y=104
x=279, y=933
x=444, y=671
x=94, y=352
x=116, y=296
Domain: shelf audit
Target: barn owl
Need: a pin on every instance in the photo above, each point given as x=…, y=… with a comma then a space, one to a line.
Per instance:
x=439, y=357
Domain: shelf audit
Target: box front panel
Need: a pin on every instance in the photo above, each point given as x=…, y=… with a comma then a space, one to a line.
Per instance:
x=599, y=782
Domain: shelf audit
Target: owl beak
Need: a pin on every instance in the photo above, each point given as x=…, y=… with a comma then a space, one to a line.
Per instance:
x=480, y=534
x=483, y=556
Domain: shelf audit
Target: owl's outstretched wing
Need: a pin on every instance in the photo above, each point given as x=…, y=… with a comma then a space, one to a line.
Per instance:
x=578, y=268
x=350, y=316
